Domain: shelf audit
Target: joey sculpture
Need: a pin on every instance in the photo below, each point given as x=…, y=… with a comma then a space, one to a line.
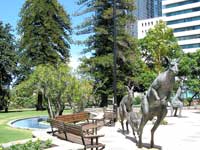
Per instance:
x=134, y=118
x=176, y=102
x=125, y=107
x=154, y=102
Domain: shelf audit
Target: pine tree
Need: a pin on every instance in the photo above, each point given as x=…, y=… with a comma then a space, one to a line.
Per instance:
x=45, y=30
x=99, y=26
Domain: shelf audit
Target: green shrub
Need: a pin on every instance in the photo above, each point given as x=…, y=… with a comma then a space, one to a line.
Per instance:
x=30, y=145
x=185, y=102
x=164, y=122
x=136, y=100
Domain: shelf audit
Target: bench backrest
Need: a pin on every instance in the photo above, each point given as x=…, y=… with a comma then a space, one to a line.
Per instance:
x=74, y=129
x=65, y=118
x=81, y=116
x=73, y=118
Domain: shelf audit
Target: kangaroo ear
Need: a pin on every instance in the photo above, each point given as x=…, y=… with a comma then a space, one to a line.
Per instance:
x=132, y=88
x=127, y=88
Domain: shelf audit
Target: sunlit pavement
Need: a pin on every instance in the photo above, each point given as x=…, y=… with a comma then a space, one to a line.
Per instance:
x=181, y=133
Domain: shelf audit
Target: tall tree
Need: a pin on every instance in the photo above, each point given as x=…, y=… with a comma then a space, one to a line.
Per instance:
x=159, y=42
x=7, y=63
x=45, y=31
x=99, y=26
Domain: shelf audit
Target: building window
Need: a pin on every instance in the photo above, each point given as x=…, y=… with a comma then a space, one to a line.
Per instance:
x=181, y=3
x=189, y=37
x=190, y=46
x=187, y=28
x=182, y=12
x=183, y=20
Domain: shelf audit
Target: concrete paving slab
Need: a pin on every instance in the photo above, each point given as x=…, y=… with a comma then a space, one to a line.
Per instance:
x=181, y=133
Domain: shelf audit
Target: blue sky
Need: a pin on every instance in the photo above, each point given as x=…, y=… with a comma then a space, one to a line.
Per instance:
x=9, y=13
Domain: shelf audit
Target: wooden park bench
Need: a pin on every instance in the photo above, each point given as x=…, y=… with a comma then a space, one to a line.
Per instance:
x=109, y=117
x=74, y=118
x=75, y=133
x=81, y=118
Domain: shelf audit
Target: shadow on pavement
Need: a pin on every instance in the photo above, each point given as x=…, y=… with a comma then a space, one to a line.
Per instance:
x=145, y=145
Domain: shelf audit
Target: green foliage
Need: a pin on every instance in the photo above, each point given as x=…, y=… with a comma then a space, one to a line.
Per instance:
x=58, y=86
x=186, y=102
x=45, y=30
x=100, y=43
x=30, y=145
x=8, y=61
x=23, y=95
x=190, y=68
x=137, y=100
x=164, y=122
x=159, y=42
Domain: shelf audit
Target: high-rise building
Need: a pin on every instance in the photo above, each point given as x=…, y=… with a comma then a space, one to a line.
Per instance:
x=184, y=17
x=157, y=8
x=146, y=9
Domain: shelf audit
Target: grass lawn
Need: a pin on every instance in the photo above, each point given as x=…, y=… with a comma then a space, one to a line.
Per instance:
x=8, y=133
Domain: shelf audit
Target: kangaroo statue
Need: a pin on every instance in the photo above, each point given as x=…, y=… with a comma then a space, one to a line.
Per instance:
x=176, y=102
x=154, y=102
x=134, y=118
x=125, y=107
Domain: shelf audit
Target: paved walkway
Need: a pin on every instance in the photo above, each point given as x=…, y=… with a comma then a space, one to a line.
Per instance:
x=180, y=134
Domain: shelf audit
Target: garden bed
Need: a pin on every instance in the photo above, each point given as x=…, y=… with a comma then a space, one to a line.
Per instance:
x=29, y=145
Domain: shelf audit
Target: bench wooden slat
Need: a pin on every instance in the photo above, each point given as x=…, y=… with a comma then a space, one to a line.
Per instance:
x=73, y=118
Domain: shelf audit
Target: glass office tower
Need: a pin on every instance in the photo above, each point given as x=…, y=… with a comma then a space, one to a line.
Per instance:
x=184, y=17
x=146, y=9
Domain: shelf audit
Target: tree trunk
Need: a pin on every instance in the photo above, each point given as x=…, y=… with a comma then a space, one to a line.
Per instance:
x=104, y=100
x=6, y=109
x=1, y=107
x=119, y=98
x=39, y=105
x=190, y=102
x=59, y=105
x=50, y=111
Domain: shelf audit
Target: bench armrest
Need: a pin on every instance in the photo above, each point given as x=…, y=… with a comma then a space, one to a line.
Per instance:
x=94, y=136
x=95, y=120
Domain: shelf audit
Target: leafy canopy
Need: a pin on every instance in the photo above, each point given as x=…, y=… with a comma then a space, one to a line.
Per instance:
x=58, y=85
x=159, y=42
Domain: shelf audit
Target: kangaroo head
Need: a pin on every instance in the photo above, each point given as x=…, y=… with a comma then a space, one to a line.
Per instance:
x=173, y=65
x=130, y=91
